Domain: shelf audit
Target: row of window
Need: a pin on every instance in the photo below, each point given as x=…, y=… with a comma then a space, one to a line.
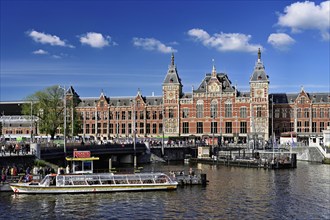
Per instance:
x=122, y=128
x=302, y=126
x=121, y=115
x=302, y=113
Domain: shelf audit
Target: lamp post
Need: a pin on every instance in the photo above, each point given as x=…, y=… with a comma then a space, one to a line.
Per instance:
x=64, y=126
x=134, y=135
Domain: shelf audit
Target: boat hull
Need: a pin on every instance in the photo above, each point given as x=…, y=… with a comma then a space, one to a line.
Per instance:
x=36, y=189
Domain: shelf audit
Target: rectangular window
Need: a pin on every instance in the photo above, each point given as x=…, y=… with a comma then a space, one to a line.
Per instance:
x=277, y=113
x=148, y=114
x=291, y=112
x=228, y=110
x=259, y=112
x=242, y=112
x=141, y=128
x=284, y=113
x=87, y=129
x=199, y=113
x=313, y=126
x=214, y=127
x=199, y=127
x=321, y=112
x=170, y=113
x=148, y=128
x=229, y=128
x=123, y=115
x=123, y=128
x=105, y=115
x=141, y=115
x=160, y=115
x=298, y=113
x=160, y=129
x=314, y=112
x=291, y=126
x=154, y=115
x=93, y=128
x=185, y=113
x=299, y=126
x=129, y=117
x=185, y=127
x=111, y=116
x=306, y=126
x=306, y=113
x=104, y=128
x=154, y=128
x=87, y=116
x=321, y=126
x=129, y=128
x=243, y=127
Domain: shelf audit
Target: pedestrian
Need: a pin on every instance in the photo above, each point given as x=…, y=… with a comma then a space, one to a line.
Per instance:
x=3, y=151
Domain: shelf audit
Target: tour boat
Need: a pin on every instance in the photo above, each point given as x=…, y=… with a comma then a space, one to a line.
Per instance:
x=93, y=183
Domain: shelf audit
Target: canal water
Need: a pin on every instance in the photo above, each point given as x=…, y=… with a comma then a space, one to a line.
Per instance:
x=232, y=193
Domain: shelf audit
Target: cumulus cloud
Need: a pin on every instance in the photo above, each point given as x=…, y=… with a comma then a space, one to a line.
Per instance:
x=306, y=15
x=152, y=44
x=40, y=52
x=43, y=38
x=280, y=40
x=96, y=40
x=224, y=41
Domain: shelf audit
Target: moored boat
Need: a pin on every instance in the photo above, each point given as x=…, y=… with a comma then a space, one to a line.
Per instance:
x=92, y=183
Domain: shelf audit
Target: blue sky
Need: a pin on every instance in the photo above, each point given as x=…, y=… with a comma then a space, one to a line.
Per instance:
x=120, y=46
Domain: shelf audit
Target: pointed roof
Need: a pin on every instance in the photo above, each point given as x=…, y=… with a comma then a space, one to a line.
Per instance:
x=172, y=75
x=259, y=73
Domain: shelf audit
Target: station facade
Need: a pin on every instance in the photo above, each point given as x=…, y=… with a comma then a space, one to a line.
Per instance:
x=215, y=111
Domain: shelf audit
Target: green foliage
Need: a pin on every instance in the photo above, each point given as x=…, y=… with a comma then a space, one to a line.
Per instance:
x=48, y=107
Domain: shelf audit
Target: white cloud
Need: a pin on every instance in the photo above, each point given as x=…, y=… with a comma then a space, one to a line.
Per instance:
x=280, y=40
x=152, y=44
x=306, y=15
x=56, y=56
x=40, y=52
x=96, y=40
x=224, y=41
x=43, y=38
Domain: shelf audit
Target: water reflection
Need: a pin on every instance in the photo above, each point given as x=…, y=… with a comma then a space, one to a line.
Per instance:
x=232, y=193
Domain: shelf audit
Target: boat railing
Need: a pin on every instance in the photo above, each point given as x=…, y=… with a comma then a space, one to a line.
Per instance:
x=106, y=179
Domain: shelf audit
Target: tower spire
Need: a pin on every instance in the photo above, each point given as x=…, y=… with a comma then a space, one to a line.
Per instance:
x=214, y=72
x=172, y=59
x=259, y=55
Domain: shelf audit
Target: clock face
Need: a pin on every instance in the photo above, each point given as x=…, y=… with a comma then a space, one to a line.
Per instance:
x=170, y=95
x=258, y=93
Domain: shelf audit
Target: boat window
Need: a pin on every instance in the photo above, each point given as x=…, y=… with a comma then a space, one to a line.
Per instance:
x=87, y=166
x=60, y=180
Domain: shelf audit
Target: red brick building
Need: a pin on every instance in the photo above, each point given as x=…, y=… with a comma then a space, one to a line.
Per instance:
x=215, y=110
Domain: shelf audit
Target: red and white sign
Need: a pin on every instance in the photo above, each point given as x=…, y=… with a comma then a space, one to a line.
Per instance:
x=81, y=154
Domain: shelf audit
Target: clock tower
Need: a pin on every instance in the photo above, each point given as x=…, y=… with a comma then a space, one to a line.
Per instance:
x=259, y=86
x=172, y=91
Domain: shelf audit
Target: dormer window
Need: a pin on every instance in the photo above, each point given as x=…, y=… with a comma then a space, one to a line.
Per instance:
x=171, y=80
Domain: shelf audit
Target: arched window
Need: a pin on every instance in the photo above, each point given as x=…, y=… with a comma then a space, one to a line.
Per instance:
x=214, y=108
x=199, y=109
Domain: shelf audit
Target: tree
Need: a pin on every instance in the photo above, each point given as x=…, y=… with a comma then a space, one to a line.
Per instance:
x=48, y=107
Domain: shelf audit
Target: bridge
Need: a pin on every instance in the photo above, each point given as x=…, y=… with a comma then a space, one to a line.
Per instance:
x=118, y=153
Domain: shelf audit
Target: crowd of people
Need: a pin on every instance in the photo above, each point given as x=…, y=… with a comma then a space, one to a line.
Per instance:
x=15, y=148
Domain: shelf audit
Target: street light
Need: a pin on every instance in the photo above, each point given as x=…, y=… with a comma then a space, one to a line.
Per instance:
x=64, y=126
x=134, y=134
